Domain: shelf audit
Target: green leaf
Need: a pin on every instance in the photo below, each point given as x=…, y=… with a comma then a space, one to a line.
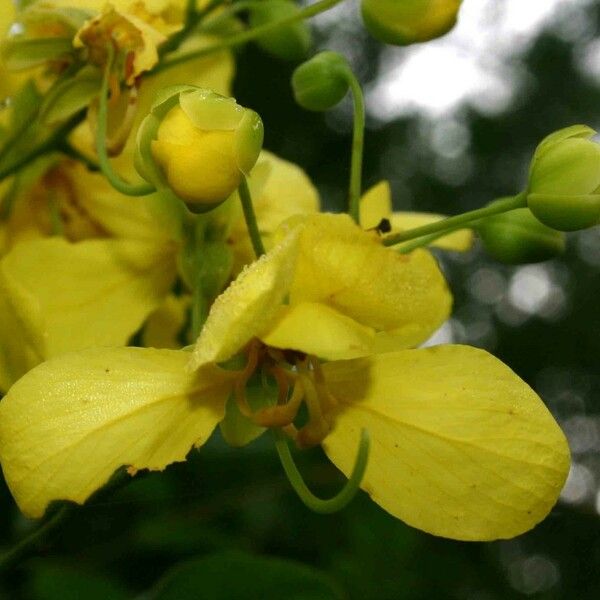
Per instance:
x=23, y=53
x=234, y=575
x=70, y=96
x=54, y=581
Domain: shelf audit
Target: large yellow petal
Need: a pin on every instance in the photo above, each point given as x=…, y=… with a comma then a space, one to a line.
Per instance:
x=249, y=306
x=97, y=292
x=164, y=325
x=461, y=447
x=348, y=269
x=459, y=241
x=320, y=330
x=71, y=422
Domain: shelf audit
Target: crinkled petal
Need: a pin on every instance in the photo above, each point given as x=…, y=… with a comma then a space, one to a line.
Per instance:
x=459, y=241
x=96, y=292
x=461, y=447
x=320, y=330
x=349, y=270
x=249, y=306
x=71, y=422
x=375, y=204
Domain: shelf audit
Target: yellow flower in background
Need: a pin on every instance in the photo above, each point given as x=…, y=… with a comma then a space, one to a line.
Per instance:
x=95, y=286
x=280, y=189
x=376, y=204
x=461, y=447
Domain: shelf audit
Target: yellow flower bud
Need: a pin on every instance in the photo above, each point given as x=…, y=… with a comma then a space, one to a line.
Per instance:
x=403, y=22
x=205, y=144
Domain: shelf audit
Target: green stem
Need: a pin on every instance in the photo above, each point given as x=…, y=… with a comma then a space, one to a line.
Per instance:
x=46, y=146
x=246, y=36
x=34, y=540
x=358, y=137
x=142, y=189
x=453, y=223
x=226, y=14
x=250, y=216
x=192, y=19
x=342, y=498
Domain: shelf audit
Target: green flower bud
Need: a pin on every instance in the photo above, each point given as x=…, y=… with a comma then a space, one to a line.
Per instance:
x=517, y=237
x=403, y=22
x=199, y=144
x=564, y=180
x=290, y=42
x=320, y=83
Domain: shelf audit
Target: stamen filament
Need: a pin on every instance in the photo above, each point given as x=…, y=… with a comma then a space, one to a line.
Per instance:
x=347, y=493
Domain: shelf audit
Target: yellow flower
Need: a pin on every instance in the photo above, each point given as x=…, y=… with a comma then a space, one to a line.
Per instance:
x=96, y=286
x=409, y=21
x=461, y=447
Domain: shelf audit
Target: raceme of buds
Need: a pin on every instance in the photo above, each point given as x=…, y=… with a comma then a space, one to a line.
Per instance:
x=403, y=22
x=517, y=237
x=321, y=82
x=199, y=144
x=290, y=42
x=564, y=180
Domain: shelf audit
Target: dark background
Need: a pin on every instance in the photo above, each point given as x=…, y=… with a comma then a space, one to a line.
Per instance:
x=542, y=320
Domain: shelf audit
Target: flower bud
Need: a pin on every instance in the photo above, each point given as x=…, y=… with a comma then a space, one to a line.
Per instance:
x=289, y=42
x=203, y=144
x=403, y=22
x=564, y=180
x=517, y=237
x=320, y=83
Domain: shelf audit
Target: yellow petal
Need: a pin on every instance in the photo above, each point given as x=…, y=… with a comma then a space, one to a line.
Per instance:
x=376, y=204
x=462, y=447
x=22, y=343
x=459, y=241
x=319, y=330
x=113, y=212
x=97, y=292
x=249, y=306
x=71, y=422
x=349, y=270
x=164, y=325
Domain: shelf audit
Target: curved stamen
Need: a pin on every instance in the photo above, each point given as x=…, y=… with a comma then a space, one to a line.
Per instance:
x=316, y=504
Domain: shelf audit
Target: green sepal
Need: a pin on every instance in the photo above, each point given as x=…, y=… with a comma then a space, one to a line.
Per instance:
x=321, y=82
x=236, y=429
x=517, y=237
x=249, y=137
x=211, y=272
x=70, y=96
x=290, y=42
x=566, y=213
x=209, y=111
